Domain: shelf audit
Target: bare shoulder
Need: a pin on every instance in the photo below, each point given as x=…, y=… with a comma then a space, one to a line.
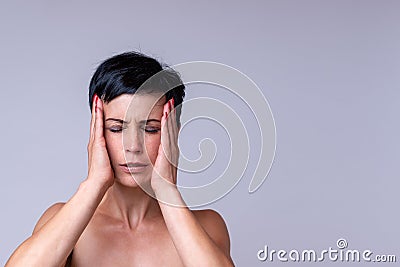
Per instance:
x=209, y=217
x=47, y=215
x=215, y=226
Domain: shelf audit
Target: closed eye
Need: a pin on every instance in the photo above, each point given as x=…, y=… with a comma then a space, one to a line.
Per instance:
x=115, y=130
x=151, y=130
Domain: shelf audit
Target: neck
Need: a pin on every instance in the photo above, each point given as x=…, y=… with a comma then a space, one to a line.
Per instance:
x=131, y=205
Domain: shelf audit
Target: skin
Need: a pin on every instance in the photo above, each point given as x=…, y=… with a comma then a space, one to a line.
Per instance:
x=111, y=220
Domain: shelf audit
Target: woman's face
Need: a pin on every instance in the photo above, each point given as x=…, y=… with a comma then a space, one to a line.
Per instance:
x=132, y=130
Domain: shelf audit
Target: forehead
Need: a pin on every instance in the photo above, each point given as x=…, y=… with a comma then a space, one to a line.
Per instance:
x=135, y=106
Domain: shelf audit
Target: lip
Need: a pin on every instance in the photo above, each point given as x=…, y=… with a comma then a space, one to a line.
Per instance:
x=133, y=167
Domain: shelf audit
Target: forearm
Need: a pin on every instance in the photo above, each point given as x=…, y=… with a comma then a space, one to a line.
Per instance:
x=192, y=242
x=51, y=245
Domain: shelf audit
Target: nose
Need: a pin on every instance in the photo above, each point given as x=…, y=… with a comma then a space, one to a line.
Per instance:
x=133, y=142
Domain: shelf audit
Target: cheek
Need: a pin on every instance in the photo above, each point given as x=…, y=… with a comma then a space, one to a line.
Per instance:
x=113, y=144
x=152, y=144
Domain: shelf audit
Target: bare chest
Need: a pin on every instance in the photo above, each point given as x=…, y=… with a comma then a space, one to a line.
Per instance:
x=110, y=246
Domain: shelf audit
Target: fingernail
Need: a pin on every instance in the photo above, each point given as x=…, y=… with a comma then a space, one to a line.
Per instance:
x=95, y=102
x=173, y=102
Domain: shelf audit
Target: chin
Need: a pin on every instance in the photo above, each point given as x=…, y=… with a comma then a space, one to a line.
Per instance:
x=132, y=180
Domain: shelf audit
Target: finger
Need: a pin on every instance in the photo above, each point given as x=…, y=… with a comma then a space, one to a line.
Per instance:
x=172, y=129
x=165, y=151
x=98, y=127
x=173, y=139
x=160, y=161
x=165, y=132
x=173, y=122
x=173, y=147
x=92, y=123
x=93, y=118
x=174, y=144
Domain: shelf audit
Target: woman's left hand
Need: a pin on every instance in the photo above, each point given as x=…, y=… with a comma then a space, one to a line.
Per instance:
x=165, y=166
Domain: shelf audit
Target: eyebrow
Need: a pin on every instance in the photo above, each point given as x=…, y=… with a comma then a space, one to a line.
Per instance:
x=117, y=120
x=125, y=122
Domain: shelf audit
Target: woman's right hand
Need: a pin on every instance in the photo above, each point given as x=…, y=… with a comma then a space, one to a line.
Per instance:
x=99, y=166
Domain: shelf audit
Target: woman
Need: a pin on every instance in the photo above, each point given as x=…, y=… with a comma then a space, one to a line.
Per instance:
x=111, y=220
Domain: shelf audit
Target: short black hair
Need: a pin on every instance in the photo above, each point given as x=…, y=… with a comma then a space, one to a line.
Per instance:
x=125, y=73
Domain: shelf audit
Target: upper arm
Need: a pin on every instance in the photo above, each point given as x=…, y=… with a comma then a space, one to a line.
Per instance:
x=216, y=228
x=47, y=215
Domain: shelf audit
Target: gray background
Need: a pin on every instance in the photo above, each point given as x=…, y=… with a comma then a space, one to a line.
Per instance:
x=329, y=69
